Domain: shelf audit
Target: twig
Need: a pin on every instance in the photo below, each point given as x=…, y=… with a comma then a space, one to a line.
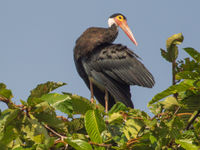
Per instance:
x=8, y=102
x=54, y=132
x=102, y=144
x=177, y=110
x=158, y=115
x=132, y=141
x=63, y=118
x=5, y=100
x=164, y=114
x=193, y=119
x=183, y=114
x=173, y=76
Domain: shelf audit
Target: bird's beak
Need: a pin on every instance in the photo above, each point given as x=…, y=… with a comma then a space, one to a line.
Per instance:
x=124, y=26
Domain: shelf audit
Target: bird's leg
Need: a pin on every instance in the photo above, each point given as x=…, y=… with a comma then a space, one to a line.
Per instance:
x=106, y=100
x=91, y=90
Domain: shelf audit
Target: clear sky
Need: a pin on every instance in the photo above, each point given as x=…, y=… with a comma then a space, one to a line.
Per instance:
x=37, y=39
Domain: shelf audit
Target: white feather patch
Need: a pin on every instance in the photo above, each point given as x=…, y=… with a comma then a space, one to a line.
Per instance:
x=111, y=21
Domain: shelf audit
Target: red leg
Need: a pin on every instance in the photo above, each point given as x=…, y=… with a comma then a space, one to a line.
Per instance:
x=91, y=90
x=106, y=100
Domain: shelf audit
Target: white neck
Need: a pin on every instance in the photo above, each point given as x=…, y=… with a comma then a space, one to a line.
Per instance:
x=111, y=21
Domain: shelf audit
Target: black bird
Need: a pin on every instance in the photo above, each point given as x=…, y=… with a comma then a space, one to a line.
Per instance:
x=109, y=69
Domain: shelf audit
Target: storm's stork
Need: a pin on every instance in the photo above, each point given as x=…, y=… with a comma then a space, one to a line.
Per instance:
x=109, y=69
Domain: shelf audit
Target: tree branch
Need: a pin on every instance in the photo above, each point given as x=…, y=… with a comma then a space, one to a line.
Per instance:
x=54, y=132
x=102, y=144
x=193, y=119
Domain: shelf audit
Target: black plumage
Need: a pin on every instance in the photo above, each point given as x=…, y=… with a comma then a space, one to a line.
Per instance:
x=110, y=67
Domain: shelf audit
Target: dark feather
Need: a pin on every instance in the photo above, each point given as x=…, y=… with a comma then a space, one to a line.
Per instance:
x=118, y=63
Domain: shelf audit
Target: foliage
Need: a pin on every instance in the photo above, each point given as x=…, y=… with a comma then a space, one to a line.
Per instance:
x=34, y=125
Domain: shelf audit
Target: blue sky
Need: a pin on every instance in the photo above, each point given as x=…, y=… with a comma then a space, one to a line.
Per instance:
x=37, y=40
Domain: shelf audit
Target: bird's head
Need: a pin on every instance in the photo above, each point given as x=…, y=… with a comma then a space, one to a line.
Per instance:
x=120, y=21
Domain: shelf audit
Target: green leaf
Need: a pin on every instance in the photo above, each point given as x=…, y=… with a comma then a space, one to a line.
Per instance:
x=22, y=148
x=175, y=39
x=44, y=88
x=115, y=118
x=33, y=131
x=187, y=144
x=2, y=86
x=5, y=93
x=188, y=65
x=132, y=128
x=79, y=144
x=46, y=114
x=75, y=125
x=118, y=107
x=172, y=50
x=7, y=116
x=8, y=130
x=187, y=75
x=81, y=105
x=170, y=102
x=190, y=105
x=165, y=55
x=183, y=86
x=94, y=125
x=59, y=102
x=193, y=53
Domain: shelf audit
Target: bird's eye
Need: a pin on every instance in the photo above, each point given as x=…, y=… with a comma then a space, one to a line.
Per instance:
x=120, y=17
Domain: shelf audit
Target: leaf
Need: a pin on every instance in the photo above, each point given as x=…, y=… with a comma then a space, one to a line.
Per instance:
x=118, y=107
x=117, y=134
x=79, y=144
x=94, y=125
x=8, y=131
x=81, y=105
x=59, y=102
x=115, y=118
x=190, y=105
x=187, y=144
x=165, y=55
x=2, y=86
x=35, y=132
x=22, y=148
x=132, y=128
x=183, y=86
x=75, y=125
x=170, y=102
x=46, y=114
x=172, y=50
x=42, y=89
x=188, y=65
x=7, y=116
x=175, y=39
x=5, y=93
x=187, y=75
x=175, y=127
x=193, y=53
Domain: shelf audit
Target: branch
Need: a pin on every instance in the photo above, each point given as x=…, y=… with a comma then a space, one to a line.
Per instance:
x=63, y=118
x=132, y=141
x=193, y=119
x=54, y=132
x=102, y=144
x=165, y=114
x=8, y=102
x=5, y=100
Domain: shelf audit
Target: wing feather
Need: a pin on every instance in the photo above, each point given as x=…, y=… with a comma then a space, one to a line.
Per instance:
x=117, y=62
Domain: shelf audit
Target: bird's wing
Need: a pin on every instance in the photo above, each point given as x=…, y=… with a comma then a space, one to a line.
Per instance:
x=120, y=64
x=115, y=67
